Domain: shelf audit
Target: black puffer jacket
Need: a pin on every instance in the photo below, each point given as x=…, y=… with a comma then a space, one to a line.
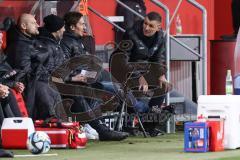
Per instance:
x=55, y=53
x=72, y=45
x=25, y=54
x=146, y=49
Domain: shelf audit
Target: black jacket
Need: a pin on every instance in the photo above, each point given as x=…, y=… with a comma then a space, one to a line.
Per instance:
x=7, y=76
x=72, y=45
x=25, y=54
x=54, y=51
x=146, y=49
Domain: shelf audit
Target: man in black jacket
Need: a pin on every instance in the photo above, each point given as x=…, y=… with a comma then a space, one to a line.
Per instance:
x=50, y=36
x=148, y=46
x=8, y=103
x=72, y=45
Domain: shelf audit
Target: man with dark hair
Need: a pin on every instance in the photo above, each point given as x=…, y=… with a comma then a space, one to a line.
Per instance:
x=72, y=38
x=148, y=43
x=73, y=47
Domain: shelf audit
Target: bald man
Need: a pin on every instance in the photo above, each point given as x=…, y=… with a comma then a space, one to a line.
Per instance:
x=20, y=42
x=28, y=25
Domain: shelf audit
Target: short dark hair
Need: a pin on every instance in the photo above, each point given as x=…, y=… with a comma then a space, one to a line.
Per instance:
x=154, y=16
x=71, y=18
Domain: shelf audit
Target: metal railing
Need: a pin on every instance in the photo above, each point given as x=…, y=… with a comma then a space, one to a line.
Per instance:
x=106, y=19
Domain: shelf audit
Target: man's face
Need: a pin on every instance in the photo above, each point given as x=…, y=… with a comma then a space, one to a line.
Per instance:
x=150, y=27
x=79, y=28
x=31, y=26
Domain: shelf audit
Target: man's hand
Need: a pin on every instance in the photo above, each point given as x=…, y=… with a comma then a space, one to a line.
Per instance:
x=4, y=91
x=143, y=84
x=79, y=78
x=19, y=87
x=162, y=79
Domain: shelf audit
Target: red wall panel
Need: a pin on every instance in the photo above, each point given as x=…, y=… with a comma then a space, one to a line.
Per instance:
x=222, y=18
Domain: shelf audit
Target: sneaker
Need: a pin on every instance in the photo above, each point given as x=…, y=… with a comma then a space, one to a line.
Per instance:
x=91, y=136
x=105, y=134
x=90, y=132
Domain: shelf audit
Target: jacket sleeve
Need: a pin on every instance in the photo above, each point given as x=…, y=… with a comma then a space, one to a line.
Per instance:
x=23, y=61
x=7, y=77
x=66, y=49
x=159, y=57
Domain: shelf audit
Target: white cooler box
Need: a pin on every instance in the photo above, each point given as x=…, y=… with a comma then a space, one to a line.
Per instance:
x=227, y=107
x=15, y=132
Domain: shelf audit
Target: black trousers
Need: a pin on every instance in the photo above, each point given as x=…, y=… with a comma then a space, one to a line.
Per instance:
x=236, y=15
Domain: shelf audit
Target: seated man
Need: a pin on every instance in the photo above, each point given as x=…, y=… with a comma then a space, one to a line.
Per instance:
x=8, y=103
x=148, y=46
x=73, y=47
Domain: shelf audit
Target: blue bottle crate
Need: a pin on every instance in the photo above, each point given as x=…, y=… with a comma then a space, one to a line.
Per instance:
x=196, y=137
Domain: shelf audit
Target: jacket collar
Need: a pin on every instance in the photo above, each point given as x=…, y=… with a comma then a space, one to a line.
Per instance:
x=46, y=35
x=14, y=35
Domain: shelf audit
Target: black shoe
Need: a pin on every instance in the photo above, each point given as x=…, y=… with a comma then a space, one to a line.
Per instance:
x=170, y=108
x=113, y=136
x=105, y=134
x=5, y=153
x=155, y=132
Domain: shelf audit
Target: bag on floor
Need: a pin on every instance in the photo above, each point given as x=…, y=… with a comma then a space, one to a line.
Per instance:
x=63, y=134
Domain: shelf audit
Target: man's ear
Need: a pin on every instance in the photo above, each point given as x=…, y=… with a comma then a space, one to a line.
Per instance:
x=23, y=26
x=72, y=27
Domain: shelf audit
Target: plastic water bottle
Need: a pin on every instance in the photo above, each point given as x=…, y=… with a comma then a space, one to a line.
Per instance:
x=178, y=25
x=229, y=84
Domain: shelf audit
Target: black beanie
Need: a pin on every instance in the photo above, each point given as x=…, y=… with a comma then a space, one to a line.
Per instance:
x=53, y=23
